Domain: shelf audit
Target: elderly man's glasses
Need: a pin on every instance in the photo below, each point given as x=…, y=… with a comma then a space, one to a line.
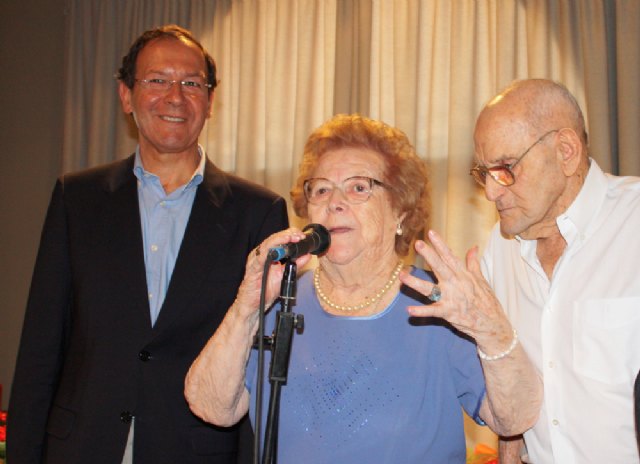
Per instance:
x=357, y=189
x=192, y=86
x=503, y=175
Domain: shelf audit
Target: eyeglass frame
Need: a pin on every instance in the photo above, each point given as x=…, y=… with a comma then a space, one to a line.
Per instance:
x=371, y=180
x=479, y=172
x=169, y=83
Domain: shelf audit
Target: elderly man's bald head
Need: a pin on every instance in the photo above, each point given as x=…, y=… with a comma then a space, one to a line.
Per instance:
x=534, y=106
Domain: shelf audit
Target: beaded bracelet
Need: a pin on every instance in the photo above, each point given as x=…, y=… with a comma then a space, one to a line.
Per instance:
x=508, y=351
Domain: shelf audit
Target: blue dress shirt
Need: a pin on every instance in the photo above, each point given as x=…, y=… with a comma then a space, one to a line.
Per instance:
x=164, y=220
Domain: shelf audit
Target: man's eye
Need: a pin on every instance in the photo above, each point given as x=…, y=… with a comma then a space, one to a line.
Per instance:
x=157, y=81
x=191, y=84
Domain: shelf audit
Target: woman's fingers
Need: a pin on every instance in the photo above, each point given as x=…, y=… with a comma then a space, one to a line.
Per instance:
x=444, y=252
x=250, y=289
x=261, y=252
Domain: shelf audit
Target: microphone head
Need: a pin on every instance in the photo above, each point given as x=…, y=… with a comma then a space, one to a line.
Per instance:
x=317, y=241
x=321, y=237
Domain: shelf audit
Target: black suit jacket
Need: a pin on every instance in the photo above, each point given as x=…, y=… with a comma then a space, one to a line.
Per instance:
x=89, y=359
x=636, y=397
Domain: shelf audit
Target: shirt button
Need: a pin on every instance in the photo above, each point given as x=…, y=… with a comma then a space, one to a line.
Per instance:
x=163, y=203
x=126, y=417
x=555, y=422
x=551, y=365
x=144, y=356
x=154, y=248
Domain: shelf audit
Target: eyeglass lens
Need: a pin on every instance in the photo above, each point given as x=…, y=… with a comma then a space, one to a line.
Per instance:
x=355, y=189
x=501, y=174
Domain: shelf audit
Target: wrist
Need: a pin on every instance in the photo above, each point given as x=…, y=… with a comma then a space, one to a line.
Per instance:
x=507, y=352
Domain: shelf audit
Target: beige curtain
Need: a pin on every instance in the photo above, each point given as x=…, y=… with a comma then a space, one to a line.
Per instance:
x=435, y=63
x=426, y=66
x=276, y=61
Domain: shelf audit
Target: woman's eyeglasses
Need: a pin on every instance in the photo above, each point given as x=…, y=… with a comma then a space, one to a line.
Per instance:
x=357, y=189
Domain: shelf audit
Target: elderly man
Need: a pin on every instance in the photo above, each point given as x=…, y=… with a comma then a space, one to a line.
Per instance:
x=562, y=264
x=138, y=262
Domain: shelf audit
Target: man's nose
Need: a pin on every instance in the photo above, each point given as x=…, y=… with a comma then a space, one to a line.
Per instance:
x=175, y=91
x=492, y=189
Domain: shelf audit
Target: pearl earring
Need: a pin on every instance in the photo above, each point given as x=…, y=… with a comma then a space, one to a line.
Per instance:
x=399, y=229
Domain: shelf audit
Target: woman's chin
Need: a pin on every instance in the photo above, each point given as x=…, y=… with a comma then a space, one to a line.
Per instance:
x=339, y=256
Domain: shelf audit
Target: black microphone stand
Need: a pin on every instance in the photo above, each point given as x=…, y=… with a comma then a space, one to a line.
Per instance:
x=280, y=345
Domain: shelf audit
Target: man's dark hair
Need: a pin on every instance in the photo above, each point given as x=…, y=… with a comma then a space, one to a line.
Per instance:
x=127, y=72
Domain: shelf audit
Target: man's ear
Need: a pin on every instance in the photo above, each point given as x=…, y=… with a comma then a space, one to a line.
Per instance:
x=570, y=150
x=210, y=106
x=125, y=97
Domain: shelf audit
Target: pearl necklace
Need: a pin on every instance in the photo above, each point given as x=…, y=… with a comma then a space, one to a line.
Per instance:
x=367, y=302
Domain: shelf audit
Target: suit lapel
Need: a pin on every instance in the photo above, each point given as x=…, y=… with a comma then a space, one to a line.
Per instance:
x=122, y=220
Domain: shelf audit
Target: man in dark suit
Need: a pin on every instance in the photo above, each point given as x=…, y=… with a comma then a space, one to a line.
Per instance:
x=138, y=262
x=636, y=398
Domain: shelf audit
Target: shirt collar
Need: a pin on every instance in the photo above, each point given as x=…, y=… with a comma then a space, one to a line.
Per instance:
x=575, y=221
x=194, y=181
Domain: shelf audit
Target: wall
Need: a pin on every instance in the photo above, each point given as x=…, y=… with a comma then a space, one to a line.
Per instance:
x=31, y=84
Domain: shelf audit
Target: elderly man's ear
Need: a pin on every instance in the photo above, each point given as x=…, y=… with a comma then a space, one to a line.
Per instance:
x=571, y=151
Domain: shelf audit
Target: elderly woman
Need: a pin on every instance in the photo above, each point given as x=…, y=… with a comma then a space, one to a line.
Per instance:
x=367, y=383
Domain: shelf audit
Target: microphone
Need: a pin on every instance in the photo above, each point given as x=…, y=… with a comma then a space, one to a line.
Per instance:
x=317, y=241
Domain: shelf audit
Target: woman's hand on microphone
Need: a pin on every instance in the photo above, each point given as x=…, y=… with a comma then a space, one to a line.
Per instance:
x=248, y=297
